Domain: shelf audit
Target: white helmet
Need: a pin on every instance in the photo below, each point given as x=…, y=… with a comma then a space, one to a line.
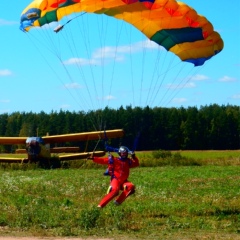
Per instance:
x=123, y=152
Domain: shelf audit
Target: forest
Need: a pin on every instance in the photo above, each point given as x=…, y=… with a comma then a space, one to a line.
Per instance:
x=211, y=127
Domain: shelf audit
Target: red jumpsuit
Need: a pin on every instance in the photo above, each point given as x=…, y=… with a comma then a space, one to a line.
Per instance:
x=119, y=171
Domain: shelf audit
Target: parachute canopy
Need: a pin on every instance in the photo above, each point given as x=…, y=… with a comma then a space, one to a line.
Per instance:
x=171, y=24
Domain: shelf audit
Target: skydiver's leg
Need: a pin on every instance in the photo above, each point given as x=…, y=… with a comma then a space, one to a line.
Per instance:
x=113, y=192
x=128, y=189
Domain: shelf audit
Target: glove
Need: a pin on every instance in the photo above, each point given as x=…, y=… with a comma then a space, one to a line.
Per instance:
x=133, y=154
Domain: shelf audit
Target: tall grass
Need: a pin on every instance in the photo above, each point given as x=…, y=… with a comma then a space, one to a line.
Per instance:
x=172, y=201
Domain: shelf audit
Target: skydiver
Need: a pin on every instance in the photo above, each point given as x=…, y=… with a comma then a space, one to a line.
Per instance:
x=118, y=169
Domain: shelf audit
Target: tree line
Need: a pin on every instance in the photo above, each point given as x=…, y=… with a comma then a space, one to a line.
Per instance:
x=205, y=128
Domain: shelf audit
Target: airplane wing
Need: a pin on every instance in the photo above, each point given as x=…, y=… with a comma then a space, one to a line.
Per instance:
x=83, y=155
x=13, y=160
x=85, y=136
x=12, y=140
x=53, y=150
x=67, y=157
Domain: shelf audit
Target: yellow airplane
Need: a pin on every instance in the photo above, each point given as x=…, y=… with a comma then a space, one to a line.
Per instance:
x=38, y=148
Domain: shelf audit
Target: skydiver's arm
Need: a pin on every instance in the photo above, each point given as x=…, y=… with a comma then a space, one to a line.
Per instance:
x=101, y=160
x=134, y=161
x=111, y=149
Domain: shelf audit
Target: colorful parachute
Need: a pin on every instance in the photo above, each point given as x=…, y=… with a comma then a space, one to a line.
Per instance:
x=171, y=24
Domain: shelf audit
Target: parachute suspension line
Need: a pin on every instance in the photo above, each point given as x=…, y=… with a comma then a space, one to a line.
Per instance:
x=60, y=27
x=104, y=55
x=107, y=82
x=184, y=84
x=149, y=88
x=131, y=66
x=99, y=138
x=172, y=85
x=94, y=149
x=45, y=39
x=105, y=138
x=49, y=65
x=102, y=33
x=179, y=83
x=85, y=33
x=118, y=34
x=102, y=30
x=155, y=75
x=67, y=35
x=97, y=118
x=71, y=42
x=80, y=100
x=160, y=75
x=109, y=97
x=144, y=43
x=163, y=75
x=54, y=47
x=169, y=67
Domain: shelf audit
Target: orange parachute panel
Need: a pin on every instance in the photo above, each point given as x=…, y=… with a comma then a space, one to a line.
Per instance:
x=172, y=24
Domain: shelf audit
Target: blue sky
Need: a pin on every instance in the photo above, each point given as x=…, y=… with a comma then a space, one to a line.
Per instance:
x=33, y=79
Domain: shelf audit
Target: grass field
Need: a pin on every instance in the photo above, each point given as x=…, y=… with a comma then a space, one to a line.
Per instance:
x=179, y=196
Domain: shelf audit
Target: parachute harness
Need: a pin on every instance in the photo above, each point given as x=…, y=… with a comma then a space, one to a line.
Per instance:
x=110, y=170
x=109, y=149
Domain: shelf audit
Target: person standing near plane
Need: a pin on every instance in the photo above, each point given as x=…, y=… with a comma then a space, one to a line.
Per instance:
x=119, y=170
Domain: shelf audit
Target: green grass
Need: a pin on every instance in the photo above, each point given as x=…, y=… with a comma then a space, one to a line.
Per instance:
x=190, y=158
x=211, y=153
x=178, y=196
x=169, y=201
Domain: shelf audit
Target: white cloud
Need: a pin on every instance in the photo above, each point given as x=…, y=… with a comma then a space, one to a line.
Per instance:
x=109, y=97
x=109, y=53
x=199, y=77
x=4, y=101
x=179, y=100
x=132, y=48
x=5, y=72
x=4, y=22
x=104, y=55
x=227, y=79
x=72, y=86
x=181, y=86
x=81, y=61
x=139, y=46
x=65, y=106
x=236, y=96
